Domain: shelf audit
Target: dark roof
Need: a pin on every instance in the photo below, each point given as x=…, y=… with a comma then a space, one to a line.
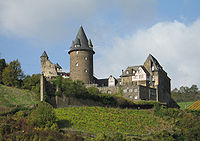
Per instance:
x=44, y=54
x=81, y=42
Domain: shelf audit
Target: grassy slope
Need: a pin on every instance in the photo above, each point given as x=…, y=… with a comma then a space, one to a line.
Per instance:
x=10, y=96
x=184, y=105
x=97, y=120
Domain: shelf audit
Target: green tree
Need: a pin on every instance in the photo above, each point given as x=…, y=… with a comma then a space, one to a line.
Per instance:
x=32, y=83
x=93, y=90
x=2, y=67
x=12, y=74
x=42, y=116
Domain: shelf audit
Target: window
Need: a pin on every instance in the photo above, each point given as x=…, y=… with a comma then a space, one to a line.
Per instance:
x=77, y=64
x=140, y=76
x=109, y=92
x=130, y=96
x=135, y=97
x=152, y=68
x=85, y=58
x=125, y=91
x=85, y=70
x=76, y=52
x=135, y=90
x=126, y=72
x=130, y=90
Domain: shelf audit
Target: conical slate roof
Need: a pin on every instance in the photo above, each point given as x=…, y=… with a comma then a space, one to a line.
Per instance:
x=81, y=42
x=44, y=54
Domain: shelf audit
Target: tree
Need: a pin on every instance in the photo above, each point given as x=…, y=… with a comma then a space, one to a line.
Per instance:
x=194, y=89
x=32, y=83
x=43, y=116
x=12, y=74
x=2, y=67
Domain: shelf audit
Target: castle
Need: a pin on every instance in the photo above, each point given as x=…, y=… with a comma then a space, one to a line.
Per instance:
x=144, y=82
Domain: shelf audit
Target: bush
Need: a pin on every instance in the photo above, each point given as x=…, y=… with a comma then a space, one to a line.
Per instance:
x=42, y=116
x=93, y=90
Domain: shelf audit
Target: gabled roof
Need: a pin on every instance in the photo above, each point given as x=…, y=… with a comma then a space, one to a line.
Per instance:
x=135, y=68
x=44, y=54
x=155, y=62
x=81, y=42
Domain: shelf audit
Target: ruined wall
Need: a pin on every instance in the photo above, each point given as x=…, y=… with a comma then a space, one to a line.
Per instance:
x=81, y=66
x=48, y=69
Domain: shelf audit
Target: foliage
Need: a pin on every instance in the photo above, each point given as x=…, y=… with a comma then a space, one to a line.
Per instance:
x=99, y=120
x=2, y=67
x=12, y=74
x=42, y=116
x=186, y=94
x=32, y=83
x=184, y=105
x=10, y=97
x=186, y=124
x=93, y=90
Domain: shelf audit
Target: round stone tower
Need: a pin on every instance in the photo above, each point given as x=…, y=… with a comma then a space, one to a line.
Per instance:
x=81, y=58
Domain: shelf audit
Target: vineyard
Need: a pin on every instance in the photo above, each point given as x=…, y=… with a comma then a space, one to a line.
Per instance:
x=97, y=120
x=195, y=106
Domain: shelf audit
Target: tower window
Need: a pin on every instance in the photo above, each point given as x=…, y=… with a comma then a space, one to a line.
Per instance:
x=76, y=52
x=77, y=64
x=85, y=58
x=85, y=70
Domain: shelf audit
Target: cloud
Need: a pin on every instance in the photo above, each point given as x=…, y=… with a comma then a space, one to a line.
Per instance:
x=50, y=20
x=174, y=44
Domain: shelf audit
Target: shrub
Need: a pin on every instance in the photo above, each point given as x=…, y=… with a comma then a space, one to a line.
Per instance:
x=93, y=90
x=42, y=116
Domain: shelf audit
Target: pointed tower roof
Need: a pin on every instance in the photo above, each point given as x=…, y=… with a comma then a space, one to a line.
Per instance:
x=44, y=54
x=81, y=42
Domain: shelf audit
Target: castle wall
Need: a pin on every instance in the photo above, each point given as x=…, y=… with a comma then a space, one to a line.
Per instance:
x=81, y=66
x=48, y=68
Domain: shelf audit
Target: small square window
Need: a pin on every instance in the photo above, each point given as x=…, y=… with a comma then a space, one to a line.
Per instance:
x=125, y=90
x=135, y=97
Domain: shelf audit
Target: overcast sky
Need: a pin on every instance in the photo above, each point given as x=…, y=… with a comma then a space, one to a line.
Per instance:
x=123, y=33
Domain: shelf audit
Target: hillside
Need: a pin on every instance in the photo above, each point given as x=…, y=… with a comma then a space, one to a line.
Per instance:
x=11, y=97
x=195, y=106
x=95, y=120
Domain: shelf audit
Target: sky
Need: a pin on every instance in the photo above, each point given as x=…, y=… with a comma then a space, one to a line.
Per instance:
x=123, y=32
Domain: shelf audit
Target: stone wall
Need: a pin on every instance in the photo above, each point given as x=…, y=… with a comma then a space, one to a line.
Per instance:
x=81, y=66
x=48, y=68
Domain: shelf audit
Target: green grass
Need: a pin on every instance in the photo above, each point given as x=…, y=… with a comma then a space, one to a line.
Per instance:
x=10, y=97
x=184, y=105
x=97, y=120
